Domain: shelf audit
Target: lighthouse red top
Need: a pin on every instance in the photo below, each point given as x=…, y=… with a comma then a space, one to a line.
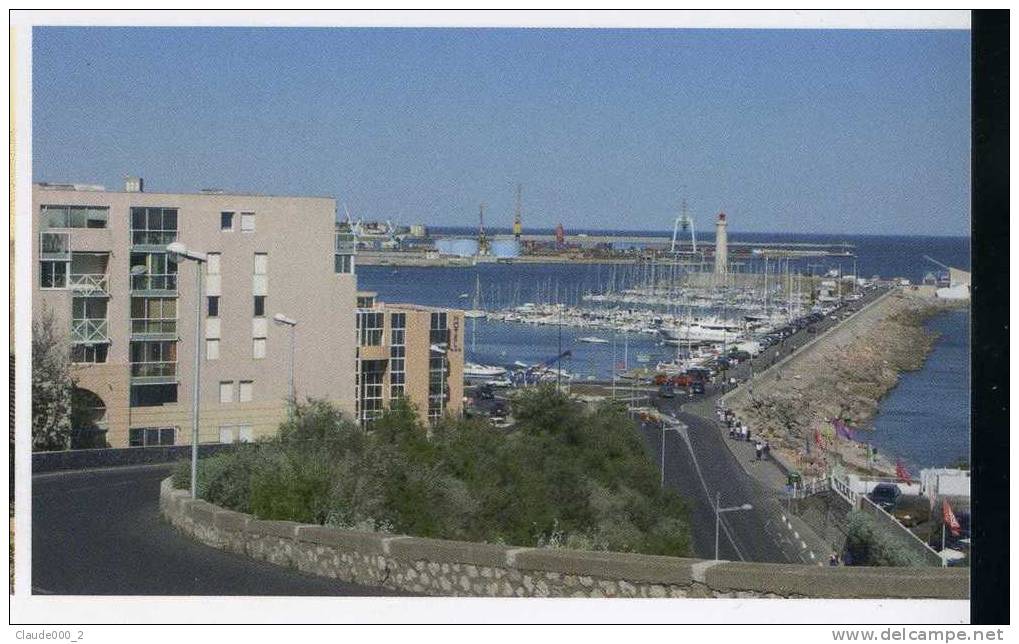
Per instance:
x=721, y=216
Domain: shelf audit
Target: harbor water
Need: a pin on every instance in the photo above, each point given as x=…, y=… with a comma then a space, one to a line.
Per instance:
x=924, y=420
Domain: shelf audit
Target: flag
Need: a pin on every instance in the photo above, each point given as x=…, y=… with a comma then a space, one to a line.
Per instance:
x=901, y=472
x=949, y=518
x=842, y=430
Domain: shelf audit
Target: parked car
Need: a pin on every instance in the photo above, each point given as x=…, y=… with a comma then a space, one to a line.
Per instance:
x=484, y=393
x=667, y=391
x=697, y=387
x=886, y=496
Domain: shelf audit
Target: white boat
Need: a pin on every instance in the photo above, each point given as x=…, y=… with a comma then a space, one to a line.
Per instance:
x=474, y=313
x=474, y=370
x=593, y=340
x=500, y=382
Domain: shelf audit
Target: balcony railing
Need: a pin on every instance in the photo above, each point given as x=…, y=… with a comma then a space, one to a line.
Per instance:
x=154, y=326
x=156, y=282
x=158, y=238
x=154, y=370
x=90, y=331
x=89, y=284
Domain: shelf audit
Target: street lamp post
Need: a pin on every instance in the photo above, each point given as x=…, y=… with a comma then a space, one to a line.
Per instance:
x=718, y=515
x=283, y=320
x=179, y=250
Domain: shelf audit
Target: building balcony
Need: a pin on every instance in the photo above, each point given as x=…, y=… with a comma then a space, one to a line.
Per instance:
x=159, y=284
x=153, y=373
x=90, y=331
x=89, y=284
x=153, y=329
x=345, y=243
x=152, y=240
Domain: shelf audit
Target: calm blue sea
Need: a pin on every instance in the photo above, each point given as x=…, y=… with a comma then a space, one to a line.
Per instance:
x=924, y=420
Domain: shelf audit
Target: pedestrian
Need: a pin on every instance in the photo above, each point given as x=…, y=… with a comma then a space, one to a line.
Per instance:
x=748, y=433
x=758, y=448
x=732, y=430
x=833, y=560
x=767, y=449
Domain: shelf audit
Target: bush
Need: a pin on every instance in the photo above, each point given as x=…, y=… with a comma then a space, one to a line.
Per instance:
x=870, y=546
x=568, y=478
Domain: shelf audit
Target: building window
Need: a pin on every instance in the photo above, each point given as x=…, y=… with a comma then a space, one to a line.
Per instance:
x=153, y=315
x=226, y=391
x=89, y=353
x=53, y=275
x=226, y=221
x=261, y=263
x=153, y=395
x=344, y=264
x=75, y=216
x=148, y=436
x=155, y=272
x=259, y=306
x=369, y=328
x=153, y=359
x=213, y=306
x=245, y=433
x=438, y=384
x=153, y=226
x=247, y=222
x=212, y=349
x=246, y=390
x=227, y=434
x=438, y=331
x=258, y=348
x=397, y=354
x=212, y=265
x=370, y=390
x=365, y=302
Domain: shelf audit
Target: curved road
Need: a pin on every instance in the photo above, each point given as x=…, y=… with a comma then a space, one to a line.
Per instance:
x=99, y=532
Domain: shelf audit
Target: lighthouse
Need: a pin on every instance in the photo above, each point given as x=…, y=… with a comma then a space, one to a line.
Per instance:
x=721, y=246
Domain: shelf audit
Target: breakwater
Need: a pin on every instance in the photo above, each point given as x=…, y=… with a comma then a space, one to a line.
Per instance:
x=843, y=374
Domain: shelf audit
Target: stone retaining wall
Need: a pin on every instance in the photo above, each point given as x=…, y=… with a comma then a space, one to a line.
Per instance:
x=453, y=568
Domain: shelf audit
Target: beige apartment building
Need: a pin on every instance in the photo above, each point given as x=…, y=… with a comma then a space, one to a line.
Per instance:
x=411, y=351
x=101, y=266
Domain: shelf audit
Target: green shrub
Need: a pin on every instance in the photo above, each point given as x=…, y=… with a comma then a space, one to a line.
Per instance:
x=568, y=478
x=870, y=546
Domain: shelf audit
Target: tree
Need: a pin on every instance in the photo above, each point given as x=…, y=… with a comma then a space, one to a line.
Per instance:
x=52, y=385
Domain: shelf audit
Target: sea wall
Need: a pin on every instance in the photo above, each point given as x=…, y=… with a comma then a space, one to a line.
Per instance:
x=452, y=568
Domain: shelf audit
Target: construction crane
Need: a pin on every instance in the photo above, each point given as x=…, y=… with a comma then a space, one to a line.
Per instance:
x=482, y=237
x=686, y=222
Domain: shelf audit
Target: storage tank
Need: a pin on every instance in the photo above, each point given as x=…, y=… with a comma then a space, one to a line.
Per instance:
x=457, y=247
x=506, y=248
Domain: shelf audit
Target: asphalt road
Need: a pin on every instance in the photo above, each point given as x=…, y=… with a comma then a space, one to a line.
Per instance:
x=99, y=532
x=699, y=465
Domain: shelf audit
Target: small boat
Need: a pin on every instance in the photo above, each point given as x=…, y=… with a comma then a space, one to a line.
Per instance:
x=464, y=296
x=474, y=313
x=473, y=370
x=593, y=340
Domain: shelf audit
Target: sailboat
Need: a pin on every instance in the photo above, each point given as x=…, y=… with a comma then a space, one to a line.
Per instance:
x=476, y=311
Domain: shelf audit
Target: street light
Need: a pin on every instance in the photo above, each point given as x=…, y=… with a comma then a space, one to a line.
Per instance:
x=718, y=515
x=177, y=251
x=283, y=320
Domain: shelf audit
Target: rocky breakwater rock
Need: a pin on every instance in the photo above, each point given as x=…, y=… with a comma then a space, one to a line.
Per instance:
x=844, y=374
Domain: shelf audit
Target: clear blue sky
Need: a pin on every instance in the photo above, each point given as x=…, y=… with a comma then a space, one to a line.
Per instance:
x=786, y=131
